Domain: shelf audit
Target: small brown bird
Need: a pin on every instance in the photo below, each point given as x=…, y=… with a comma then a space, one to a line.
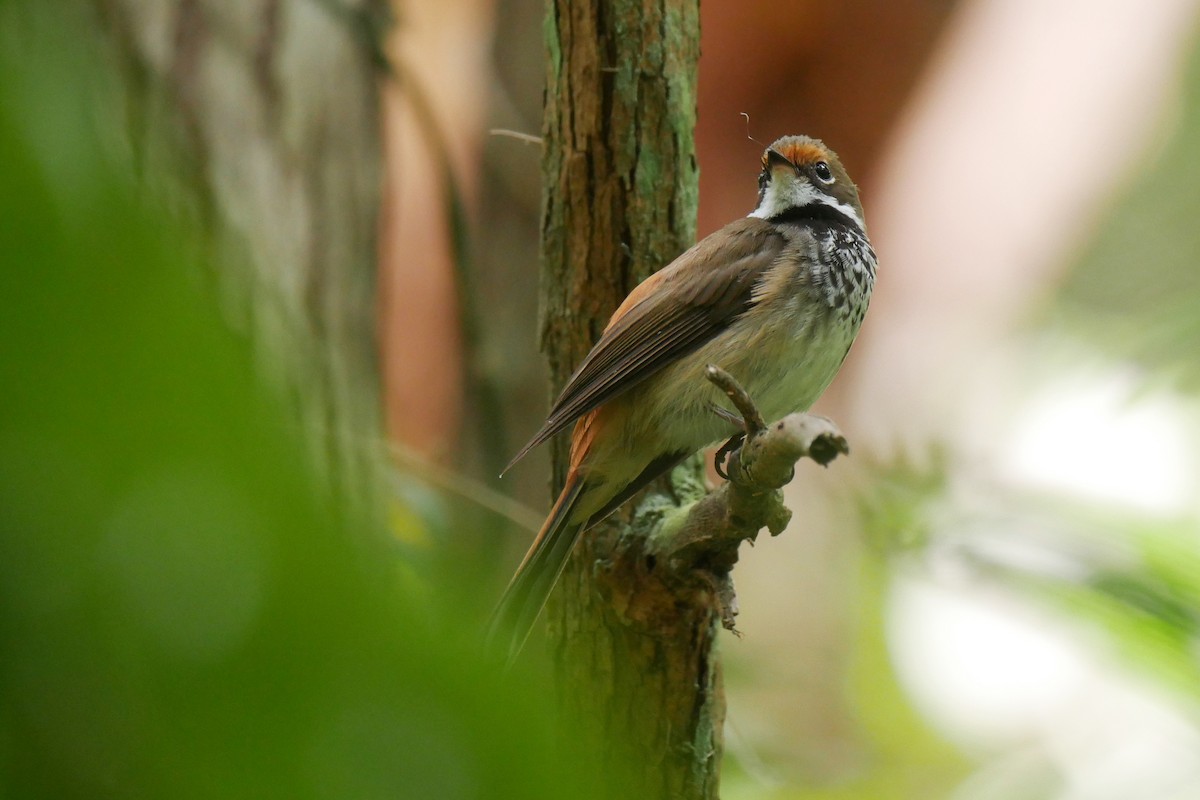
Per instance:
x=775, y=299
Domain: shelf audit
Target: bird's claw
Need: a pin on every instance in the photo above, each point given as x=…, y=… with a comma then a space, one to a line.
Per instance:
x=725, y=451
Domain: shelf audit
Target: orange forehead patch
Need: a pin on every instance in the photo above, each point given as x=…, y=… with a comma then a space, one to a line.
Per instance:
x=800, y=152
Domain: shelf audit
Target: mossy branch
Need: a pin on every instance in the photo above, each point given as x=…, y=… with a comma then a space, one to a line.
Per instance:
x=704, y=535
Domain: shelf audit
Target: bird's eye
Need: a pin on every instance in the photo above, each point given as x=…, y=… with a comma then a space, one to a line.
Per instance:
x=822, y=171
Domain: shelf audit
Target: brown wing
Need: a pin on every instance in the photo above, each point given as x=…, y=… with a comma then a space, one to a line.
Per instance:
x=670, y=314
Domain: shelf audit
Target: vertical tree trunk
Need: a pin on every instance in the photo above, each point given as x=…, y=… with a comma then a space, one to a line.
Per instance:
x=261, y=118
x=633, y=648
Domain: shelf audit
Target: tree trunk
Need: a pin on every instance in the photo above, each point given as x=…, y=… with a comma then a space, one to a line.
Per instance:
x=261, y=119
x=633, y=647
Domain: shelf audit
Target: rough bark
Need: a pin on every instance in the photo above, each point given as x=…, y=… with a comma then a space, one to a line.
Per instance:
x=261, y=119
x=635, y=659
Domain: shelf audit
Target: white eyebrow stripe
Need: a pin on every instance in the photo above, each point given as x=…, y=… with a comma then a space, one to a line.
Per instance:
x=849, y=211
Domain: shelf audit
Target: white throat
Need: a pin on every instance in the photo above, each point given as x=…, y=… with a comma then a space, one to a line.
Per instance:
x=782, y=195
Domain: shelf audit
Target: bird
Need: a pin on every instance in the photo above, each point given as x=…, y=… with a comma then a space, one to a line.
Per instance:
x=775, y=299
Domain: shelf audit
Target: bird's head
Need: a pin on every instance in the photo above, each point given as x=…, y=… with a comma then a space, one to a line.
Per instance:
x=802, y=177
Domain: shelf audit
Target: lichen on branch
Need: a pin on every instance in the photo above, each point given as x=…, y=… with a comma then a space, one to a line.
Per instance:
x=703, y=536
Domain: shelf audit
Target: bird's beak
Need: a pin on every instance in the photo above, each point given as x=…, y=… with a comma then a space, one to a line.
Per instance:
x=777, y=159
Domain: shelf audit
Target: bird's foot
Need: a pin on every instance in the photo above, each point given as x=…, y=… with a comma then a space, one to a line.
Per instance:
x=750, y=421
x=725, y=451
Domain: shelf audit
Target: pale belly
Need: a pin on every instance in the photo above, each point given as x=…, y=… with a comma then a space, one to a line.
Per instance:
x=783, y=370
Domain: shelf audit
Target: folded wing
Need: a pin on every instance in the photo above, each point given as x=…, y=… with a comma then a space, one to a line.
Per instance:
x=671, y=314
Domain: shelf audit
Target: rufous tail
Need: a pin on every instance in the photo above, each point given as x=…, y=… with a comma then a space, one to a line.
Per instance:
x=518, y=609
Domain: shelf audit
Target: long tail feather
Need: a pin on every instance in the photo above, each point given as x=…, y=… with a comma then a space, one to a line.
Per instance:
x=531, y=585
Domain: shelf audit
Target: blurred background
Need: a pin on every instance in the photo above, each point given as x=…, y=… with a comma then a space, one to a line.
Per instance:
x=996, y=596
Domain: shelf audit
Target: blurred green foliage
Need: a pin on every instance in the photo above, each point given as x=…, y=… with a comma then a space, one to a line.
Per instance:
x=180, y=614
x=1133, y=579
x=1133, y=297
x=1135, y=292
